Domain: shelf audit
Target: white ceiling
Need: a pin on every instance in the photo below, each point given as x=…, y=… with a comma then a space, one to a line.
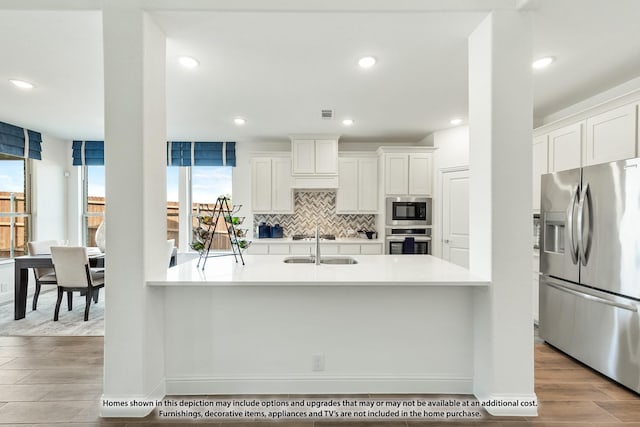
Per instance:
x=279, y=70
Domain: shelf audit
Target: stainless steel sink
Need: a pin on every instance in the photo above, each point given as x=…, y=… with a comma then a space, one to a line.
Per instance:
x=300, y=260
x=338, y=260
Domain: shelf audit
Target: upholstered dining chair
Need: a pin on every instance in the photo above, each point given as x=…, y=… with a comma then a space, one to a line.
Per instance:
x=44, y=276
x=73, y=273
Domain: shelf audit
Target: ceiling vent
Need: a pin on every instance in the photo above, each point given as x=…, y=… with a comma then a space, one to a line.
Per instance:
x=326, y=114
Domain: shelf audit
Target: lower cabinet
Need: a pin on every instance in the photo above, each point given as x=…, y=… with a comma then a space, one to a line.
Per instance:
x=310, y=249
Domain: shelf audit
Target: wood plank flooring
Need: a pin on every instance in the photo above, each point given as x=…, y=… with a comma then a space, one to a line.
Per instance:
x=57, y=381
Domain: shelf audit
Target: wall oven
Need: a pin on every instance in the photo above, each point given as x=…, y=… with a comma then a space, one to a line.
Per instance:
x=408, y=211
x=403, y=241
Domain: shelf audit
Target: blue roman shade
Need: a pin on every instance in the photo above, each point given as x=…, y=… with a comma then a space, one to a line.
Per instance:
x=88, y=153
x=20, y=142
x=200, y=153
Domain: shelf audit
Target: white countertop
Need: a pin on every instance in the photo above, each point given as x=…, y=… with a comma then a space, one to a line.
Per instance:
x=337, y=241
x=371, y=270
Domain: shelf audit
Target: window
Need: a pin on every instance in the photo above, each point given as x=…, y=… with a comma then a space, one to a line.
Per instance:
x=15, y=206
x=207, y=184
x=93, y=202
x=173, y=204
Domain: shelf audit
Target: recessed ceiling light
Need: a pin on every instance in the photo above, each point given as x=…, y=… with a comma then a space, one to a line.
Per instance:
x=367, y=62
x=542, y=62
x=456, y=122
x=239, y=121
x=347, y=122
x=188, y=62
x=22, y=84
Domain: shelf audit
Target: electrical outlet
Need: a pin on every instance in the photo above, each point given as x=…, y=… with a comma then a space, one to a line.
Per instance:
x=317, y=362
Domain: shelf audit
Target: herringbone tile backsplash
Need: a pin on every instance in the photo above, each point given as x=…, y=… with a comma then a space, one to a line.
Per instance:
x=316, y=207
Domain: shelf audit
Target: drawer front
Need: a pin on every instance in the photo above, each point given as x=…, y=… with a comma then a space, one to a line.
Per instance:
x=371, y=249
x=303, y=249
x=329, y=250
x=349, y=249
x=258, y=249
x=279, y=249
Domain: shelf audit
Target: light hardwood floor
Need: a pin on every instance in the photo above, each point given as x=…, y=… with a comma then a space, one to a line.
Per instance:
x=57, y=381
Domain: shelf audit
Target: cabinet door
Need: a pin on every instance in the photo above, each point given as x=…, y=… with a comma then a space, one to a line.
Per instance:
x=303, y=152
x=281, y=193
x=367, y=185
x=261, y=184
x=347, y=195
x=326, y=156
x=540, y=167
x=396, y=174
x=565, y=148
x=420, y=174
x=371, y=249
x=611, y=136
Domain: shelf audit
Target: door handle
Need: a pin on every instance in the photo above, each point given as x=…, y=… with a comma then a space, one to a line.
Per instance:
x=585, y=249
x=574, y=246
x=550, y=282
x=446, y=240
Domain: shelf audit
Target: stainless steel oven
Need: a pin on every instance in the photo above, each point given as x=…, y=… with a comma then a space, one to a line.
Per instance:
x=402, y=241
x=408, y=211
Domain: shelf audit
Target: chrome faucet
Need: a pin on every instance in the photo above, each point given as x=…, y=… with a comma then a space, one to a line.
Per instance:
x=317, y=246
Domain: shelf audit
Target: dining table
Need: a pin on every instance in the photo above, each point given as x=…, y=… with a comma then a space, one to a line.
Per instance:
x=22, y=264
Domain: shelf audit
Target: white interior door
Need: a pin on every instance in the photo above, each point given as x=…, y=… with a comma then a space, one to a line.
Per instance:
x=455, y=217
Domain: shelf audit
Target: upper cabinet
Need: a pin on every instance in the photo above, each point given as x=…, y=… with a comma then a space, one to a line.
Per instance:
x=408, y=173
x=611, y=136
x=314, y=161
x=358, y=187
x=540, y=166
x=600, y=135
x=565, y=148
x=271, y=185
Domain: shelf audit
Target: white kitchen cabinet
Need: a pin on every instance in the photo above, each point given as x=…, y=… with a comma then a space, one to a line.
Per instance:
x=540, y=167
x=326, y=156
x=611, y=136
x=408, y=174
x=358, y=185
x=257, y=249
x=565, y=148
x=396, y=174
x=420, y=174
x=271, y=185
x=279, y=249
x=349, y=249
x=372, y=249
x=347, y=194
x=314, y=156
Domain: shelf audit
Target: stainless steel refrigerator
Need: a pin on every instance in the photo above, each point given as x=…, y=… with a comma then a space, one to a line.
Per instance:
x=590, y=267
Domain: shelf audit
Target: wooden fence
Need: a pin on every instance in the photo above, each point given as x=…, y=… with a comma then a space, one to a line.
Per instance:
x=95, y=205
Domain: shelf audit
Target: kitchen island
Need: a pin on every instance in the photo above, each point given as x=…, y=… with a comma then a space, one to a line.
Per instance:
x=388, y=324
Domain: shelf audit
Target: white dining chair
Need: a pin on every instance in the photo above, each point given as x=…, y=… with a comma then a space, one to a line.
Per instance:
x=44, y=276
x=170, y=245
x=73, y=273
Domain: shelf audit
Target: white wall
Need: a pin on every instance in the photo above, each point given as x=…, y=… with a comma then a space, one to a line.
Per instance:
x=452, y=151
x=49, y=207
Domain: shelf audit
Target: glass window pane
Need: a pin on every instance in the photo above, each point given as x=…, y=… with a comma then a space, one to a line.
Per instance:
x=94, y=203
x=173, y=208
x=207, y=184
x=14, y=229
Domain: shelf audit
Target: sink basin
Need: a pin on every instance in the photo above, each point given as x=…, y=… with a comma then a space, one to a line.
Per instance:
x=300, y=260
x=338, y=260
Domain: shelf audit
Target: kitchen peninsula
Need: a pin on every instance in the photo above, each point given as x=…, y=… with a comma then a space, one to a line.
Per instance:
x=388, y=324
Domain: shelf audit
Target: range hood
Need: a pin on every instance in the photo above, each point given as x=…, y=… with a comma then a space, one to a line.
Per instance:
x=314, y=182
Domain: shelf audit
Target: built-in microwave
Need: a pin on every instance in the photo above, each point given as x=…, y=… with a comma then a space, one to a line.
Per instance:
x=408, y=211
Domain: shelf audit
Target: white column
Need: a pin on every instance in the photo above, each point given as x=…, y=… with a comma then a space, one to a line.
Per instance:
x=500, y=124
x=135, y=161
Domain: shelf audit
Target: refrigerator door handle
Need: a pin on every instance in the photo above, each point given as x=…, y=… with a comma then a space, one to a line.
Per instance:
x=571, y=213
x=585, y=247
x=559, y=286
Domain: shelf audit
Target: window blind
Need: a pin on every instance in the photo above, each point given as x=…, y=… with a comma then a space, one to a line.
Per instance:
x=20, y=142
x=88, y=153
x=201, y=153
